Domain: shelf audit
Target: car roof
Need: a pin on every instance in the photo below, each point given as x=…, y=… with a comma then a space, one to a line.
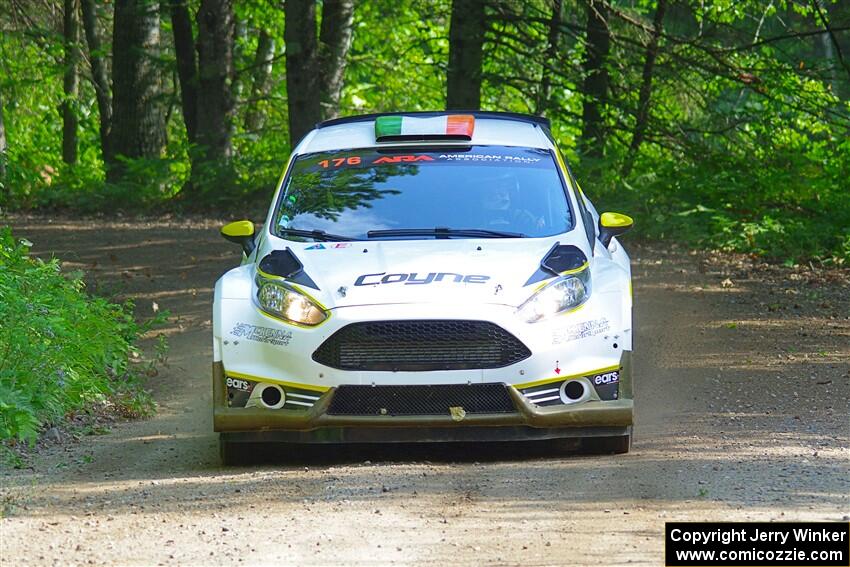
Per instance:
x=491, y=129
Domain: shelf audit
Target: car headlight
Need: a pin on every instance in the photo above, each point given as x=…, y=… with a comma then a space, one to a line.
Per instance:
x=280, y=300
x=565, y=292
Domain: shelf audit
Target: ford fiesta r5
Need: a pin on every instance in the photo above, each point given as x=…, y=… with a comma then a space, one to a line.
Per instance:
x=425, y=277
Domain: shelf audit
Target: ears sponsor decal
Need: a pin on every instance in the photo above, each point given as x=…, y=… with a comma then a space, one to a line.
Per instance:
x=606, y=378
x=238, y=391
x=607, y=384
x=319, y=246
x=238, y=384
x=242, y=392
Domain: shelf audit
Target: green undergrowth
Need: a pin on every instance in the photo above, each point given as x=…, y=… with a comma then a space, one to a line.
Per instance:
x=62, y=350
x=793, y=207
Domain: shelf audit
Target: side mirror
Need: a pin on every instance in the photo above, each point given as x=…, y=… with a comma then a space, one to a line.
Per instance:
x=613, y=224
x=242, y=233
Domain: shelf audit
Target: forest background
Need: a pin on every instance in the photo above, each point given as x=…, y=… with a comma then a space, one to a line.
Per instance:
x=718, y=123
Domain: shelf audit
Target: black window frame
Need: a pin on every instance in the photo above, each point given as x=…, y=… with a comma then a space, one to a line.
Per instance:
x=587, y=217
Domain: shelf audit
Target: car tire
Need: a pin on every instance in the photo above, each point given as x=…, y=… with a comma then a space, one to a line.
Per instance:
x=234, y=453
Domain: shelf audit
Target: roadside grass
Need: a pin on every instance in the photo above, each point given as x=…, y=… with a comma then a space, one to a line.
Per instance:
x=63, y=352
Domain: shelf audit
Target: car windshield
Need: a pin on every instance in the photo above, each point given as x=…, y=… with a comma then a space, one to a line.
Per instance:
x=480, y=191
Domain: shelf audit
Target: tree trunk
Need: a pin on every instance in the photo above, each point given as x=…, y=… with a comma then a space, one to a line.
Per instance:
x=315, y=69
x=466, y=51
x=596, y=79
x=262, y=71
x=829, y=55
x=3, y=149
x=642, y=118
x=187, y=68
x=138, y=128
x=824, y=18
x=334, y=41
x=240, y=34
x=301, y=73
x=839, y=12
x=215, y=97
x=99, y=75
x=70, y=81
x=543, y=103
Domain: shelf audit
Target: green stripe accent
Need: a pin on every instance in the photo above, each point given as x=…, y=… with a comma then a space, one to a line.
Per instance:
x=387, y=126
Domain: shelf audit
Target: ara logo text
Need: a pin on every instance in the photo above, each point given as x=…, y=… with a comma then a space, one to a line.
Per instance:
x=400, y=159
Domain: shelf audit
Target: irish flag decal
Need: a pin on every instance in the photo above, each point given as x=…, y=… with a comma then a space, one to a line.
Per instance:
x=452, y=127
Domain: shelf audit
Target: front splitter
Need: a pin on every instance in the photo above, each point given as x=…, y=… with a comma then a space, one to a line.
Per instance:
x=424, y=434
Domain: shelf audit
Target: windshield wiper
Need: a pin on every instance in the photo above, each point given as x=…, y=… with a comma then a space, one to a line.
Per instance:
x=315, y=234
x=440, y=232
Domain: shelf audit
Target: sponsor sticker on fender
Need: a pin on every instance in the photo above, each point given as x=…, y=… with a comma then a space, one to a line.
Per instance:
x=261, y=334
x=580, y=331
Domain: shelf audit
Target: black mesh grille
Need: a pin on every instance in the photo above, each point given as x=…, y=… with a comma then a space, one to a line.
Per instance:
x=420, y=345
x=420, y=400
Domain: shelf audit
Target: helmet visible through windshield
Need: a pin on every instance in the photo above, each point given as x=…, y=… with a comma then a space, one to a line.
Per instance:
x=515, y=191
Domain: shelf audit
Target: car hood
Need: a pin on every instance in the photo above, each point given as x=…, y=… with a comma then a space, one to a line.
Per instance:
x=423, y=271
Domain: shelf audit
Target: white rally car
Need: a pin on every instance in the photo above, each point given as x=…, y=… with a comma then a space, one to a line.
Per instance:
x=425, y=277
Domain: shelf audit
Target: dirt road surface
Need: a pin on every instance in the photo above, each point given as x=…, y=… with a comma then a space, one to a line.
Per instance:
x=742, y=389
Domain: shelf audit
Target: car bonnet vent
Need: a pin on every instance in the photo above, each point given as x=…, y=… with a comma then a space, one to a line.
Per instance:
x=558, y=260
x=285, y=264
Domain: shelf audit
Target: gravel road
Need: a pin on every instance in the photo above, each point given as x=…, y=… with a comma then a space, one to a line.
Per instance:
x=742, y=379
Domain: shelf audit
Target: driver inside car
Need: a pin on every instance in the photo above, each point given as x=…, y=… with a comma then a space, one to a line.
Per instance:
x=501, y=202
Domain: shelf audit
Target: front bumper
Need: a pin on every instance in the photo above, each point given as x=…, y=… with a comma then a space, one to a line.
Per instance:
x=315, y=425
x=253, y=350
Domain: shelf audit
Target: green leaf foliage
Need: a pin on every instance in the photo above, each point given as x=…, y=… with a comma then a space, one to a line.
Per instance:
x=61, y=350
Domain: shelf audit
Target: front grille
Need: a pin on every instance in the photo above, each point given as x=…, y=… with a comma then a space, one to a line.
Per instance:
x=421, y=400
x=420, y=345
